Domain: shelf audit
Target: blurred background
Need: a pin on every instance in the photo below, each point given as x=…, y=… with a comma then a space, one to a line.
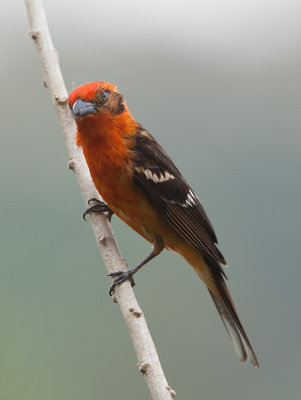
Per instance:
x=218, y=84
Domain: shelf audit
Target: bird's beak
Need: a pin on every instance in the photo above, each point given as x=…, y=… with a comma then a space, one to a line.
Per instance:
x=81, y=108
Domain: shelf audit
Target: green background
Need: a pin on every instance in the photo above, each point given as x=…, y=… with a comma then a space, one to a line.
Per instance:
x=218, y=84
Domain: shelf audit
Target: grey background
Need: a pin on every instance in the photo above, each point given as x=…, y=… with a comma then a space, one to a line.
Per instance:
x=218, y=84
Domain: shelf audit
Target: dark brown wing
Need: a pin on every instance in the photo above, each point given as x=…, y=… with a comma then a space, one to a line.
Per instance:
x=159, y=179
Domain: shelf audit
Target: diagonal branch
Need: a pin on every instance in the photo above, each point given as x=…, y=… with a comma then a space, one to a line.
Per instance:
x=148, y=361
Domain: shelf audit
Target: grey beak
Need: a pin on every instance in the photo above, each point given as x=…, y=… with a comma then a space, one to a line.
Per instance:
x=82, y=107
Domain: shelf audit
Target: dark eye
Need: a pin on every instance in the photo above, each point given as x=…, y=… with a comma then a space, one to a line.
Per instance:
x=101, y=97
x=104, y=94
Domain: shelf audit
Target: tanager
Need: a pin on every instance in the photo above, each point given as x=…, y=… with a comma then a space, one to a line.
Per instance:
x=141, y=185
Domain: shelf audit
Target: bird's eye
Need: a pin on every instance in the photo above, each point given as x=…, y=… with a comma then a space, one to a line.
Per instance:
x=101, y=97
x=104, y=94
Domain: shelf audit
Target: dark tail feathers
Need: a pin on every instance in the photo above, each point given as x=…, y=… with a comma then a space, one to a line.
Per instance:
x=229, y=316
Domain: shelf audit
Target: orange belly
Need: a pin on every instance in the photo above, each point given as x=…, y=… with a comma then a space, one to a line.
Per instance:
x=131, y=205
x=118, y=190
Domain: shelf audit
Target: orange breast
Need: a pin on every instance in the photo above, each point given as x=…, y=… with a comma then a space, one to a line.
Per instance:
x=108, y=158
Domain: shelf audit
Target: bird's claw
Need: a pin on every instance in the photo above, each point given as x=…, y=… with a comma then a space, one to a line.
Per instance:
x=99, y=207
x=95, y=200
x=120, y=276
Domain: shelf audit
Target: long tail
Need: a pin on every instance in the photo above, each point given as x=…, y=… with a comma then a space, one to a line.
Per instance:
x=229, y=316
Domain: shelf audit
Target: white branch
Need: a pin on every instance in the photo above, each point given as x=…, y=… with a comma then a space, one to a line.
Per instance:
x=148, y=361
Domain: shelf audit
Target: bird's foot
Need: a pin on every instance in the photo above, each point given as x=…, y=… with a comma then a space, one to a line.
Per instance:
x=98, y=208
x=121, y=276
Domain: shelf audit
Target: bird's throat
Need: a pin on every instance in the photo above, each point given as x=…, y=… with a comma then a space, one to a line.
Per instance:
x=105, y=143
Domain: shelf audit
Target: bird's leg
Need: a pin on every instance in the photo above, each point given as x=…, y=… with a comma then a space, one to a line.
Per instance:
x=98, y=208
x=121, y=276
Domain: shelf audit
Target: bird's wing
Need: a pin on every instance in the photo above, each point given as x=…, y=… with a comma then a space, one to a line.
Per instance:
x=159, y=179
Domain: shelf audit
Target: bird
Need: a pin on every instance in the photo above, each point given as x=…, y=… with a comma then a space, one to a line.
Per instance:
x=139, y=183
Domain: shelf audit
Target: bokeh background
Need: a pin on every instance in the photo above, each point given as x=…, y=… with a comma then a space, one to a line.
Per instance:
x=218, y=83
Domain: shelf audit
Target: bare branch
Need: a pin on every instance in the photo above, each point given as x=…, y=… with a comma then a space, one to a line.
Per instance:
x=148, y=361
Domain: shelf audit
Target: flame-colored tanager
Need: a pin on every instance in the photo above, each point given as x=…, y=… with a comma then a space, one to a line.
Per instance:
x=143, y=187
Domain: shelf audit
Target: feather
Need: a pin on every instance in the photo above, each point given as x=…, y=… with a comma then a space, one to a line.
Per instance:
x=169, y=193
x=229, y=316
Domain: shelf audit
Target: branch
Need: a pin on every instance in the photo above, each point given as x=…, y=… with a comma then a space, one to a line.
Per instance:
x=148, y=361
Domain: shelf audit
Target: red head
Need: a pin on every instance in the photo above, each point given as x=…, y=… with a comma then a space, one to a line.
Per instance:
x=100, y=113
x=95, y=97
